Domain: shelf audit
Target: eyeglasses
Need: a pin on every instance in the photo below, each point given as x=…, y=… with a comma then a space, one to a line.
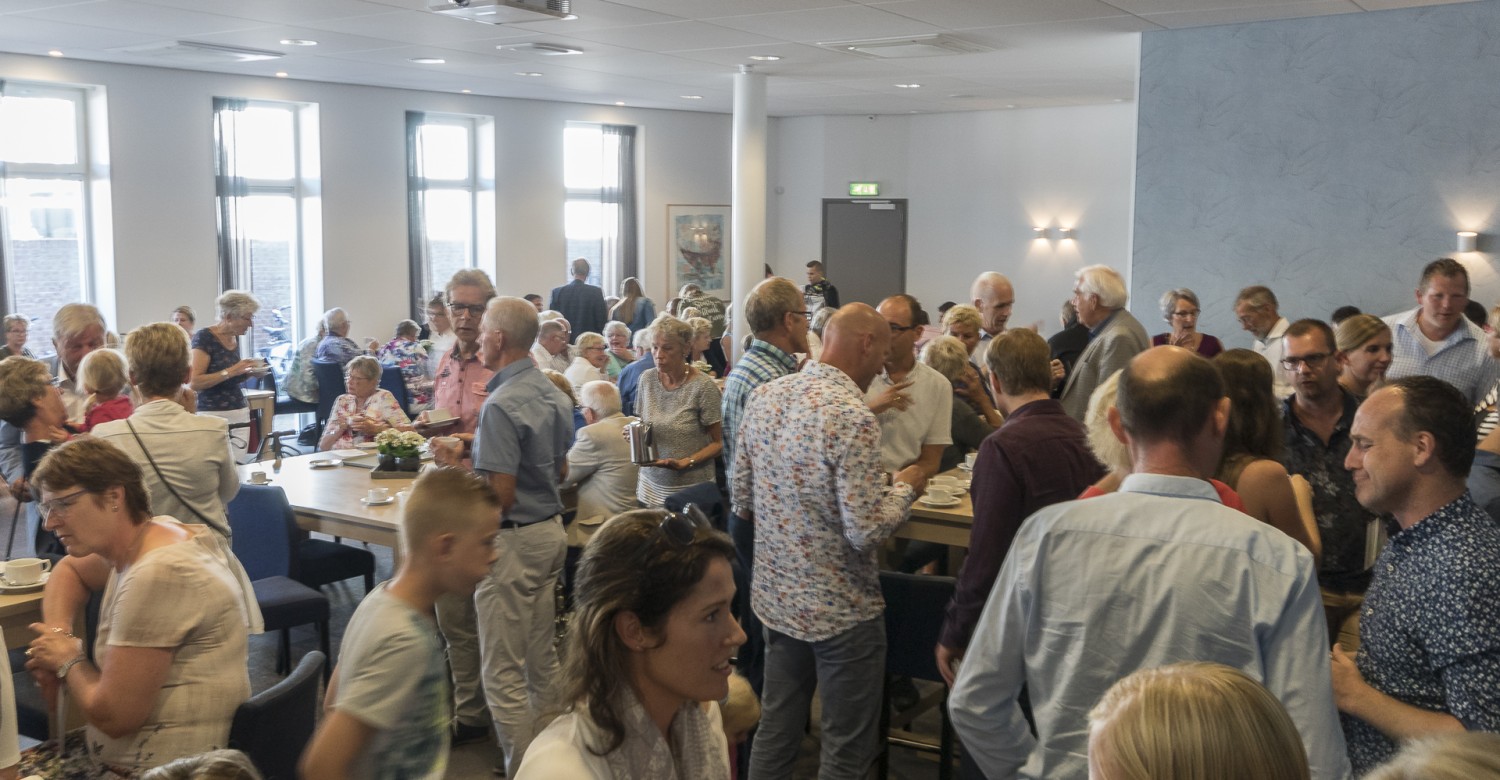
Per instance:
x=1295, y=363
x=1186, y=314
x=46, y=508
x=902, y=328
x=805, y=314
x=472, y=309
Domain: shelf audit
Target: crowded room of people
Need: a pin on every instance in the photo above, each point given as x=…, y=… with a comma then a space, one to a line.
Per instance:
x=754, y=390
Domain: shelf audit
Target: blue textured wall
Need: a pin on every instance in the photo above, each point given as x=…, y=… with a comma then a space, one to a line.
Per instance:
x=1327, y=158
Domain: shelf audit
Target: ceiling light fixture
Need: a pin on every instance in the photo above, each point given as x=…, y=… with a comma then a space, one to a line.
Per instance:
x=297, y=42
x=280, y=74
x=427, y=60
x=528, y=73
x=909, y=86
x=466, y=91
x=54, y=53
x=691, y=97
x=619, y=102
x=765, y=57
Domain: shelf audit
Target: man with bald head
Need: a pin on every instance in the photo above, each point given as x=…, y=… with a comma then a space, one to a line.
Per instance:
x=1172, y=576
x=807, y=472
x=993, y=295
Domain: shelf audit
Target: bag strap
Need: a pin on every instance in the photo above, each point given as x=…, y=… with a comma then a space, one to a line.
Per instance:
x=163, y=478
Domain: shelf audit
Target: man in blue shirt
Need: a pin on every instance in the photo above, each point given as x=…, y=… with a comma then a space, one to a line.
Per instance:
x=521, y=447
x=1429, y=652
x=1160, y=572
x=1436, y=339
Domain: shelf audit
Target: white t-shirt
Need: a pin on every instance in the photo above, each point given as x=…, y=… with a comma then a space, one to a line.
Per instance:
x=929, y=419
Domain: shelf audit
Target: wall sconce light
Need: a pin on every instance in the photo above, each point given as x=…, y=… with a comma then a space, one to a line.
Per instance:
x=1467, y=240
x=1065, y=234
x=1039, y=233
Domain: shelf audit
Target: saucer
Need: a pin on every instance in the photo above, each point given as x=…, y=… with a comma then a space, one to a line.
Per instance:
x=262, y=484
x=323, y=463
x=381, y=502
x=965, y=467
x=441, y=423
x=935, y=503
x=6, y=587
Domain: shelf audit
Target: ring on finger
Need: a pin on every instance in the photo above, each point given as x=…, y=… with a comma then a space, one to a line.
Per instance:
x=30, y=652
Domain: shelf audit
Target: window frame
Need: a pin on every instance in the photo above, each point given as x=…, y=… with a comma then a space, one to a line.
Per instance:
x=478, y=182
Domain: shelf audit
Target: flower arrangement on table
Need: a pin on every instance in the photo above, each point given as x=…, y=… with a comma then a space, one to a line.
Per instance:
x=400, y=450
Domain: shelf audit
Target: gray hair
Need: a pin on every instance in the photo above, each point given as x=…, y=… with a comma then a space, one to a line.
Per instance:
x=948, y=356
x=16, y=319
x=769, y=302
x=1105, y=282
x=364, y=366
x=1257, y=297
x=820, y=320
x=334, y=317
x=1170, y=298
x=236, y=303
x=601, y=396
x=546, y=327
x=407, y=328
x=1453, y=756
x=641, y=339
x=73, y=319
x=514, y=317
x=615, y=325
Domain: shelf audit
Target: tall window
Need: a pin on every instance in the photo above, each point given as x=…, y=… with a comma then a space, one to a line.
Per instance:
x=44, y=203
x=600, y=214
x=266, y=179
x=450, y=198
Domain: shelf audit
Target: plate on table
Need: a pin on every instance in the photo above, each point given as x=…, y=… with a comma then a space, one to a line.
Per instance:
x=347, y=454
x=366, y=445
x=441, y=423
x=324, y=463
x=7, y=588
x=932, y=502
x=381, y=502
x=965, y=467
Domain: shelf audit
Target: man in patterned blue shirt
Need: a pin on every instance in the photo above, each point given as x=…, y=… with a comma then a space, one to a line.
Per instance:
x=774, y=312
x=1429, y=654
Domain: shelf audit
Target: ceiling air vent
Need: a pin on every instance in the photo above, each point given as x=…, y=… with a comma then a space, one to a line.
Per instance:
x=543, y=49
x=505, y=11
x=902, y=48
x=197, y=53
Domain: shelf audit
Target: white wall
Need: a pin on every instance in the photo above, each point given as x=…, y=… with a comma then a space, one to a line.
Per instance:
x=161, y=149
x=976, y=183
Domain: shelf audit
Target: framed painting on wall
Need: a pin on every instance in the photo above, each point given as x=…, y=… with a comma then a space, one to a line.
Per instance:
x=698, y=237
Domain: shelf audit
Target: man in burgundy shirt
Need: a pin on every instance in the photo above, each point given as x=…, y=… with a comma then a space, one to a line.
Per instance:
x=1039, y=457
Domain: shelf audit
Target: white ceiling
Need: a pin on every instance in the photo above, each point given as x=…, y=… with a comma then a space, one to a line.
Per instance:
x=651, y=53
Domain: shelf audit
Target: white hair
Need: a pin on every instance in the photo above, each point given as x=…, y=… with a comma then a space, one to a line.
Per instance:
x=601, y=396
x=334, y=317
x=1105, y=282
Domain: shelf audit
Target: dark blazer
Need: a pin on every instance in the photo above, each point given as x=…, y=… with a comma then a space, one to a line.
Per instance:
x=1066, y=345
x=582, y=305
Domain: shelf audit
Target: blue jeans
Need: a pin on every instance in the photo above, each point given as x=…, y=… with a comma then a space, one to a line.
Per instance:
x=848, y=671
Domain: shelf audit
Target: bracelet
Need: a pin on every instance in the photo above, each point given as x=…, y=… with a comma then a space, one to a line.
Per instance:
x=224, y=374
x=62, y=671
x=692, y=461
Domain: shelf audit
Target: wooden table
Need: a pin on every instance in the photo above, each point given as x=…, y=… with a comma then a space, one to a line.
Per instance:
x=949, y=525
x=265, y=402
x=17, y=611
x=328, y=500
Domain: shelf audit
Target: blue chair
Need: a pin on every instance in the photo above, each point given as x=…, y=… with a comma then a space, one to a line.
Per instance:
x=391, y=379
x=265, y=542
x=274, y=726
x=330, y=376
x=914, y=611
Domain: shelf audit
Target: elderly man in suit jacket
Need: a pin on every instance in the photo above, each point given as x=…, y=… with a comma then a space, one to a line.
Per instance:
x=1114, y=335
x=599, y=462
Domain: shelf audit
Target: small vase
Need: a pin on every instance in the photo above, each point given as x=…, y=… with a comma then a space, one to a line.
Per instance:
x=409, y=463
x=387, y=462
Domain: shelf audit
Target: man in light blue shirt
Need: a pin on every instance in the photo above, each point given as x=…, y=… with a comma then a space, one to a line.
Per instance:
x=1437, y=340
x=1158, y=573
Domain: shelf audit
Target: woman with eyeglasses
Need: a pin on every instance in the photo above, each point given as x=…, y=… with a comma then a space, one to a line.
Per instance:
x=650, y=650
x=169, y=666
x=1251, y=463
x=1180, y=309
x=683, y=406
x=17, y=326
x=590, y=361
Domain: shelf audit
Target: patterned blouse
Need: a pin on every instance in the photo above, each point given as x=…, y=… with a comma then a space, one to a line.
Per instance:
x=680, y=420
x=380, y=405
x=1430, y=629
x=411, y=358
x=807, y=467
x=225, y=395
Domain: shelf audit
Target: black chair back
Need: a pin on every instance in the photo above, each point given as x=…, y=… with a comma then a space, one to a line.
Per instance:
x=708, y=498
x=274, y=726
x=914, y=608
x=330, y=378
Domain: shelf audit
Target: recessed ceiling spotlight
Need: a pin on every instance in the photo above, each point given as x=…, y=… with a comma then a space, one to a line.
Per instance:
x=427, y=60
x=530, y=73
x=765, y=57
x=466, y=91
x=54, y=53
x=619, y=102
x=280, y=74
x=691, y=97
x=909, y=86
x=1010, y=105
x=297, y=42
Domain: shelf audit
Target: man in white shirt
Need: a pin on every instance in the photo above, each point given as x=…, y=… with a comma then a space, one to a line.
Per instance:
x=1436, y=339
x=1256, y=309
x=551, y=348
x=913, y=403
x=993, y=295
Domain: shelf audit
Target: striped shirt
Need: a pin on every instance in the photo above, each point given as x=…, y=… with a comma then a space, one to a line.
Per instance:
x=760, y=364
x=1460, y=359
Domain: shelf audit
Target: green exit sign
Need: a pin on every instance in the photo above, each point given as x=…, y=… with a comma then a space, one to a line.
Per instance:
x=864, y=189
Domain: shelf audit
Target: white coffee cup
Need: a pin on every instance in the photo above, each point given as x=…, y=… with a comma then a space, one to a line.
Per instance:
x=259, y=478
x=947, y=483
x=939, y=495
x=26, y=571
x=970, y=458
x=375, y=495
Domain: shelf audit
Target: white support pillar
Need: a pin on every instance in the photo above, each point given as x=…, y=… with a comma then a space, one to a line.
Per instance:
x=747, y=240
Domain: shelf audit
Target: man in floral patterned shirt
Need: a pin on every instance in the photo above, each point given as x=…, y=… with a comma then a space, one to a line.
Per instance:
x=1429, y=653
x=807, y=473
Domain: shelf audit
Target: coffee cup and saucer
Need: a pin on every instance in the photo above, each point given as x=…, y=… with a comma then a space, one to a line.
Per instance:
x=377, y=497
x=939, y=497
x=24, y=574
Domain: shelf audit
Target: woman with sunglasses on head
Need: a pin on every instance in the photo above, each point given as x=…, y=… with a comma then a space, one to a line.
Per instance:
x=170, y=651
x=651, y=640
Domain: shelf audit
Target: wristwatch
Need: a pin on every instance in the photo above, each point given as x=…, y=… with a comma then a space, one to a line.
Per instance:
x=224, y=373
x=62, y=671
